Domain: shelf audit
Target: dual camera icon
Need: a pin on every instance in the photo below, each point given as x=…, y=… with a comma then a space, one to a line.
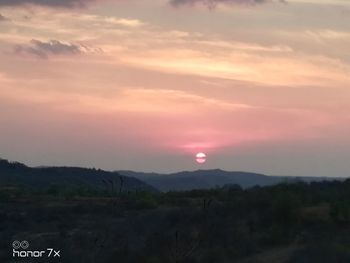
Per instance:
x=20, y=244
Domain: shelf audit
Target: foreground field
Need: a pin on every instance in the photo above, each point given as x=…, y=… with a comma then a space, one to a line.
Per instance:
x=292, y=223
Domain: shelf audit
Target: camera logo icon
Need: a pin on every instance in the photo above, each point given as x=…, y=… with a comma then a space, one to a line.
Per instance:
x=20, y=244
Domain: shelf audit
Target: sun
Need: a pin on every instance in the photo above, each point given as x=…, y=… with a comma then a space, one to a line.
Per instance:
x=201, y=157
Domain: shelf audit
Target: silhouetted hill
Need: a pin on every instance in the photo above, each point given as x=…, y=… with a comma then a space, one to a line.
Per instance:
x=12, y=173
x=205, y=179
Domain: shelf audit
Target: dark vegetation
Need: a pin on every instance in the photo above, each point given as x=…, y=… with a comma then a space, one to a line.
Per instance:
x=290, y=222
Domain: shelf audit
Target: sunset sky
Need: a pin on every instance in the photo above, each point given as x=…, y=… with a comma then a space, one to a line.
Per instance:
x=144, y=85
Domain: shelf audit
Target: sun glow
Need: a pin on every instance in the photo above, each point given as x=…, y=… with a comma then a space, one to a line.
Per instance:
x=201, y=158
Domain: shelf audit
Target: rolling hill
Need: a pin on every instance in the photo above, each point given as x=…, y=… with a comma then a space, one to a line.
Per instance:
x=205, y=179
x=18, y=174
x=13, y=173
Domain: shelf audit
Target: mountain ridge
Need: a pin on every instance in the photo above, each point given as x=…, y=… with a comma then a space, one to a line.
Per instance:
x=15, y=173
x=205, y=179
x=127, y=180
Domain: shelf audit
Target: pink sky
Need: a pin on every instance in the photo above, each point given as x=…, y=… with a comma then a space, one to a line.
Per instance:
x=146, y=84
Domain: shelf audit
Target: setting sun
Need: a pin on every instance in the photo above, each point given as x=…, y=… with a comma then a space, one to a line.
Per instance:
x=201, y=158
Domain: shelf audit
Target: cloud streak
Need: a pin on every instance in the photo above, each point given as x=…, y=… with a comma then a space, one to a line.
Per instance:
x=52, y=3
x=214, y=3
x=43, y=50
x=2, y=18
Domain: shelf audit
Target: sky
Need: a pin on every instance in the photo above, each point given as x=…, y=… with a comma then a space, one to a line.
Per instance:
x=257, y=85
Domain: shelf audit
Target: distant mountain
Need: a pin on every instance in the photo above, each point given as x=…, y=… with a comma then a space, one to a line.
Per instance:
x=18, y=174
x=12, y=173
x=205, y=179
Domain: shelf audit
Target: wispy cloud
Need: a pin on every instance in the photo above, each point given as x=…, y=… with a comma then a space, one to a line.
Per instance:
x=53, y=3
x=43, y=50
x=213, y=3
x=160, y=100
x=3, y=18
